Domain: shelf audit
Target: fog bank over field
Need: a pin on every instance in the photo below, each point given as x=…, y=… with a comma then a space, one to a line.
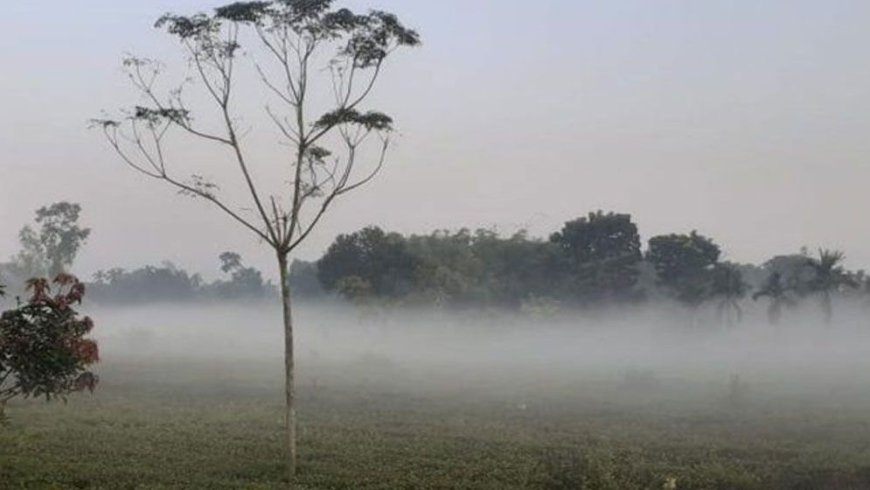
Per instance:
x=802, y=353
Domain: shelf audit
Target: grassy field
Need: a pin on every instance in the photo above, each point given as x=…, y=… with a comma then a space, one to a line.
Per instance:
x=371, y=425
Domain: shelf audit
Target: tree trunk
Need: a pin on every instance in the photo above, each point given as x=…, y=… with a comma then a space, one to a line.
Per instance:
x=289, y=369
x=827, y=307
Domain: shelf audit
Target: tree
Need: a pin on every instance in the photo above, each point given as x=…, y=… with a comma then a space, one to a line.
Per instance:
x=779, y=293
x=603, y=253
x=244, y=283
x=728, y=287
x=230, y=262
x=43, y=346
x=294, y=35
x=53, y=247
x=793, y=271
x=516, y=269
x=304, y=281
x=684, y=264
x=828, y=276
x=380, y=260
x=450, y=271
x=166, y=282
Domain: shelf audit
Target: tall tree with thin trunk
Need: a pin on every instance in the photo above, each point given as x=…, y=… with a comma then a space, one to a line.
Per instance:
x=287, y=45
x=52, y=247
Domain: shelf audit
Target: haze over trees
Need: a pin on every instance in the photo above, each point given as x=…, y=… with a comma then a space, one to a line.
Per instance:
x=168, y=282
x=829, y=276
x=295, y=36
x=50, y=247
x=594, y=262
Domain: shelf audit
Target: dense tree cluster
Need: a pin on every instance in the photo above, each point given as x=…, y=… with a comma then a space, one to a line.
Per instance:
x=169, y=283
x=592, y=261
x=595, y=260
x=50, y=246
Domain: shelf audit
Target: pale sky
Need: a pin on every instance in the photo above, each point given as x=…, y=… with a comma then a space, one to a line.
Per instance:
x=746, y=120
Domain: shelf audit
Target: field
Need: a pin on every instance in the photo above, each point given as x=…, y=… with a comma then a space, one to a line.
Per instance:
x=369, y=423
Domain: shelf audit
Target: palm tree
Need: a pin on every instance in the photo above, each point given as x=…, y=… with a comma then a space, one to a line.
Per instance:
x=828, y=276
x=779, y=297
x=727, y=284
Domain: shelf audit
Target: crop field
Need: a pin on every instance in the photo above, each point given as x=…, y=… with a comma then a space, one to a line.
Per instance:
x=372, y=424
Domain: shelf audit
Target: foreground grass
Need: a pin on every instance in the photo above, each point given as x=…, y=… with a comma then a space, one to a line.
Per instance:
x=209, y=426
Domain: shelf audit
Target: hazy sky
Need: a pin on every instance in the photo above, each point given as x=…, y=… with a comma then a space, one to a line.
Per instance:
x=747, y=120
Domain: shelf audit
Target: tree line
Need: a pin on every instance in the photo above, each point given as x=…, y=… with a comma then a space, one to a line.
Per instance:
x=50, y=246
x=170, y=283
x=595, y=260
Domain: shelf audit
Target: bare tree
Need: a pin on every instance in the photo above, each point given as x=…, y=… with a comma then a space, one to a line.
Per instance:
x=285, y=41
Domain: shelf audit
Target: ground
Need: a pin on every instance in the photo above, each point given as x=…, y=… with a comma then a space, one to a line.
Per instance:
x=370, y=424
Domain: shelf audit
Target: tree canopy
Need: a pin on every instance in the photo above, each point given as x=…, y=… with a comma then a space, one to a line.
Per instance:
x=684, y=264
x=51, y=248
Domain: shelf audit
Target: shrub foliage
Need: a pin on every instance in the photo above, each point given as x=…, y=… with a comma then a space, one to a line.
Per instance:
x=44, y=349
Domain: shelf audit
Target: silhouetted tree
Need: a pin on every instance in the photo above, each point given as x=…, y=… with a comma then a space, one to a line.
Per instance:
x=516, y=269
x=602, y=252
x=780, y=295
x=230, y=261
x=793, y=271
x=145, y=284
x=727, y=286
x=684, y=265
x=828, y=276
x=379, y=259
x=295, y=36
x=244, y=283
x=481, y=267
x=449, y=269
x=51, y=248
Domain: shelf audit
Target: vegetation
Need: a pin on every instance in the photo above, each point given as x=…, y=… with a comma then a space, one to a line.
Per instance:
x=296, y=36
x=779, y=294
x=176, y=425
x=601, y=254
x=829, y=276
x=593, y=262
x=44, y=351
x=500, y=361
x=728, y=288
x=684, y=265
x=50, y=248
x=169, y=283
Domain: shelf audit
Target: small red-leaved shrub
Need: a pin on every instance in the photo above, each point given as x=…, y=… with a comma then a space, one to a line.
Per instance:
x=43, y=346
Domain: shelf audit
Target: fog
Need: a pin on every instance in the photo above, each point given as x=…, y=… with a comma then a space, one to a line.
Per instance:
x=658, y=353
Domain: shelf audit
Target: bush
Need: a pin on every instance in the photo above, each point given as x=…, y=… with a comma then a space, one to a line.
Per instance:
x=43, y=348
